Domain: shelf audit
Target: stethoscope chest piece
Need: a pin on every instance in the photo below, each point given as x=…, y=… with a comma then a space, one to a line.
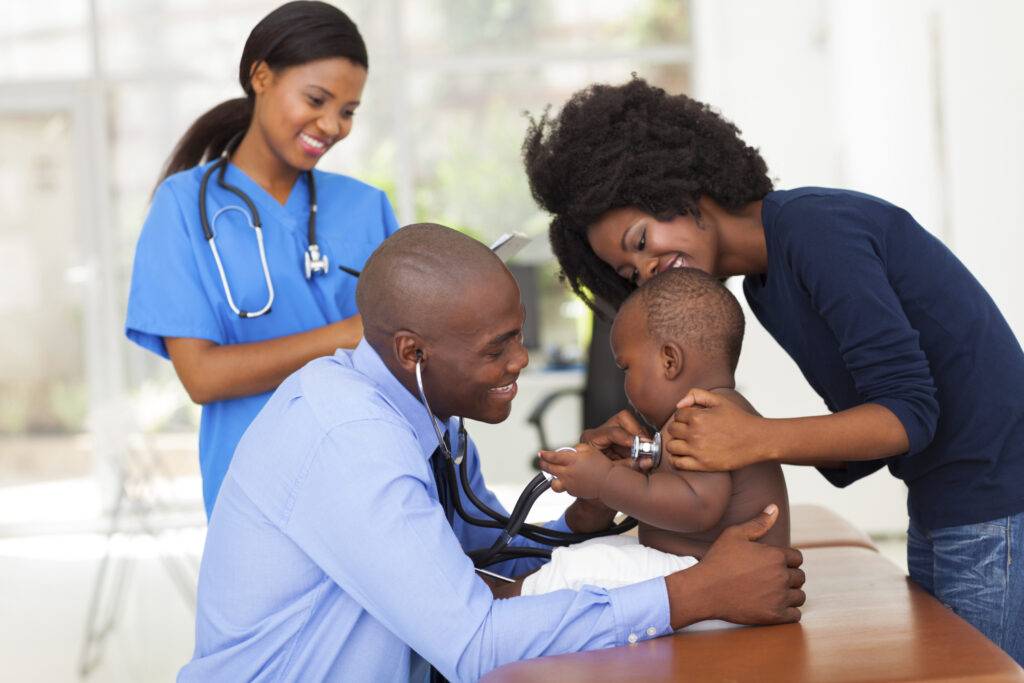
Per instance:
x=646, y=449
x=315, y=261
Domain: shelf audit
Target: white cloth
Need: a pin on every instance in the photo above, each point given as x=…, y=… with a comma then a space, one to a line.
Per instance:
x=609, y=562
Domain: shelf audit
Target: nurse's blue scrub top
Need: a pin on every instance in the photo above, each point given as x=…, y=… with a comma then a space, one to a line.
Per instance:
x=176, y=290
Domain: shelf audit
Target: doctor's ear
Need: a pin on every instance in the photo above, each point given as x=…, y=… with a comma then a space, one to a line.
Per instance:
x=409, y=349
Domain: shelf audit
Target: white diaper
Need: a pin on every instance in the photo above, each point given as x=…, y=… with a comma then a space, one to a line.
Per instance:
x=609, y=562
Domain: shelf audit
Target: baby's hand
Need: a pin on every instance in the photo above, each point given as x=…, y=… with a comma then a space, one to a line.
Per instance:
x=581, y=471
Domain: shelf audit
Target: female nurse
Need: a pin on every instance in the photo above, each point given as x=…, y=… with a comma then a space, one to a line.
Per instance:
x=302, y=71
x=917, y=366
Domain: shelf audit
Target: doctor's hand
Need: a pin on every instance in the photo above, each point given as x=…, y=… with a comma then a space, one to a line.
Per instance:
x=709, y=433
x=615, y=437
x=580, y=471
x=740, y=580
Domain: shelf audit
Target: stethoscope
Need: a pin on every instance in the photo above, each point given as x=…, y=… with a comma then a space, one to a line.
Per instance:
x=515, y=523
x=315, y=262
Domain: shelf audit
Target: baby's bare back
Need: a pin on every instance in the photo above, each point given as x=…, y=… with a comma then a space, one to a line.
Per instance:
x=753, y=489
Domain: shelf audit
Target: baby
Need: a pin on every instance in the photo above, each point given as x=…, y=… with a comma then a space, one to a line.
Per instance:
x=681, y=330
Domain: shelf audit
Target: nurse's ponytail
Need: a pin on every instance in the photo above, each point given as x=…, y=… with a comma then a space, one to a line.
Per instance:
x=295, y=33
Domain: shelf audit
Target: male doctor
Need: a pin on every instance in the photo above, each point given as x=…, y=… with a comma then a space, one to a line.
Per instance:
x=329, y=555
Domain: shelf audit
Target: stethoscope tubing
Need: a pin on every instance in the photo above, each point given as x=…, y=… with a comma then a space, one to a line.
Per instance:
x=315, y=262
x=514, y=524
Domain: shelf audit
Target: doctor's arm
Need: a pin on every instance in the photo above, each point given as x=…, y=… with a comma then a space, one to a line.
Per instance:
x=385, y=541
x=215, y=372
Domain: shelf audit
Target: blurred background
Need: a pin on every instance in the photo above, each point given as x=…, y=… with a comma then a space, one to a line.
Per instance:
x=101, y=524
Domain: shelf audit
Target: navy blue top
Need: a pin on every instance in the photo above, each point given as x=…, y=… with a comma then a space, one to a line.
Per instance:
x=874, y=309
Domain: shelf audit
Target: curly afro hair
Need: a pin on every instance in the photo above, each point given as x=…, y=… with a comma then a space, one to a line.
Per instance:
x=631, y=145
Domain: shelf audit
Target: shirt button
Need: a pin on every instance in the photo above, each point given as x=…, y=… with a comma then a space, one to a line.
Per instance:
x=651, y=631
x=632, y=638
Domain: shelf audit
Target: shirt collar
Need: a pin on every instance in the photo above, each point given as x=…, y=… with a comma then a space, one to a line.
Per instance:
x=366, y=360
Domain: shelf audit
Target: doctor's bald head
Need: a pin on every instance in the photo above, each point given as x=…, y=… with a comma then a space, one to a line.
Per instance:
x=431, y=293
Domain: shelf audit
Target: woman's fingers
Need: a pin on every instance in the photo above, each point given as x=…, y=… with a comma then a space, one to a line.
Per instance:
x=677, y=446
x=688, y=462
x=699, y=398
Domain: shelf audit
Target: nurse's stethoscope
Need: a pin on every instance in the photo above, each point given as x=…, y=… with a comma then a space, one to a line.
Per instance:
x=315, y=261
x=515, y=523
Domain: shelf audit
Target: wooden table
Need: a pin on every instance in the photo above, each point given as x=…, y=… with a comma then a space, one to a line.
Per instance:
x=863, y=621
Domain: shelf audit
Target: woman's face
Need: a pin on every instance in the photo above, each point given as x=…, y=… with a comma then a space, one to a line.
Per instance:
x=639, y=246
x=301, y=111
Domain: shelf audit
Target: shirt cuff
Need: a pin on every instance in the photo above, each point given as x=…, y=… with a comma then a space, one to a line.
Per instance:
x=641, y=611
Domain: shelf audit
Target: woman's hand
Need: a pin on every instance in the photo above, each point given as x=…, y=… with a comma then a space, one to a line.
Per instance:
x=581, y=471
x=709, y=433
x=615, y=437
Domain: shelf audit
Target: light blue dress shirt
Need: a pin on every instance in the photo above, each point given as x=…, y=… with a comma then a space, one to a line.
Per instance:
x=329, y=557
x=176, y=290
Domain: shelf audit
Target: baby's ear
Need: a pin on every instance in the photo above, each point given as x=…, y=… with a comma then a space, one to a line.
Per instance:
x=672, y=360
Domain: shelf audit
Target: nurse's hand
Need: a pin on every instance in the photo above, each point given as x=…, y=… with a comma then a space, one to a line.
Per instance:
x=740, y=580
x=581, y=471
x=349, y=332
x=615, y=437
x=709, y=433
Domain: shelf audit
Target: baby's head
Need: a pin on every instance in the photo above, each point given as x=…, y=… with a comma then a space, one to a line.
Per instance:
x=682, y=329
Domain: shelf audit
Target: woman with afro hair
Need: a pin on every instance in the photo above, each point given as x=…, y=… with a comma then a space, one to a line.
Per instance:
x=917, y=366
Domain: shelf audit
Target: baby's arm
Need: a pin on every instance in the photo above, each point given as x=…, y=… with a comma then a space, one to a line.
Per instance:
x=676, y=501
x=685, y=502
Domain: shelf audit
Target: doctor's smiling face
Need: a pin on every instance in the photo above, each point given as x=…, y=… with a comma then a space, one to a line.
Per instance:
x=301, y=111
x=481, y=355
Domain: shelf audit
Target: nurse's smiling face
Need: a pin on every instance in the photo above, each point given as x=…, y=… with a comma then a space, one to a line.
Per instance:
x=639, y=246
x=301, y=111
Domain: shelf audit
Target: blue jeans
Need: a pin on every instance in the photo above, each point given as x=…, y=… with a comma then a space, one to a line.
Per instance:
x=977, y=570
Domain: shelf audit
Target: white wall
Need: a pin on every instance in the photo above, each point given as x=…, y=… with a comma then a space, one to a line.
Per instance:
x=919, y=102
